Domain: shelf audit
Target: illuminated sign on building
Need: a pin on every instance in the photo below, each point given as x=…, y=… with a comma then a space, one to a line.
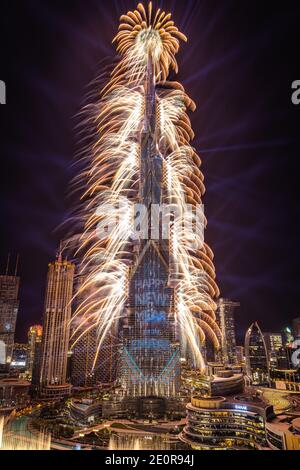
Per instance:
x=241, y=407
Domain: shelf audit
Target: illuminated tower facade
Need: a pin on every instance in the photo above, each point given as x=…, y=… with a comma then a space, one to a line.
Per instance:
x=34, y=340
x=9, y=305
x=56, y=329
x=151, y=354
x=225, y=315
x=275, y=349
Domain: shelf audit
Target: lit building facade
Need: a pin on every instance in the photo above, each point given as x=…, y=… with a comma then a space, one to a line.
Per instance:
x=285, y=379
x=257, y=363
x=83, y=371
x=217, y=423
x=36, y=369
x=19, y=357
x=34, y=338
x=9, y=305
x=274, y=345
x=56, y=329
x=83, y=353
x=225, y=316
x=150, y=359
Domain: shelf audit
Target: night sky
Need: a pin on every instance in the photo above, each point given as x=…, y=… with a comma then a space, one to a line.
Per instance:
x=238, y=66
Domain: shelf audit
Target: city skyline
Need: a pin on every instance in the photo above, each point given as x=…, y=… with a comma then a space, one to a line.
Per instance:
x=243, y=167
x=23, y=326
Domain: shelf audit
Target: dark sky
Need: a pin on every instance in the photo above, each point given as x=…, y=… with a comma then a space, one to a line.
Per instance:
x=238, y=66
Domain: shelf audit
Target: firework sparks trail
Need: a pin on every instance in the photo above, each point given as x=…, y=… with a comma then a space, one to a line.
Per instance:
x=113, y=172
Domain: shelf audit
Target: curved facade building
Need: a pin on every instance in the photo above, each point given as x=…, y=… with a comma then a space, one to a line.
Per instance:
x=257, y=363
x=216, y=423
x=218, y=382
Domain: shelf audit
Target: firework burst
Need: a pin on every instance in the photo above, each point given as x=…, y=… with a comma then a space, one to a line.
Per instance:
x=113, y=173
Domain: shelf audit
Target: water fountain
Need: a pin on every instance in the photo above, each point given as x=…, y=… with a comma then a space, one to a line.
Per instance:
x=1, y=430
x=17, y=436
x=136, y=442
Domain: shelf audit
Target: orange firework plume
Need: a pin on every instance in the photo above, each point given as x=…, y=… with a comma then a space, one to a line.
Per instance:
x=142, y=28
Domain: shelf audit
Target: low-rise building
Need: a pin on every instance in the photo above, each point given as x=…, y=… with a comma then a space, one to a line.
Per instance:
x=285, y=379
x=86, y=410
x=13, y=390
x=283, y=431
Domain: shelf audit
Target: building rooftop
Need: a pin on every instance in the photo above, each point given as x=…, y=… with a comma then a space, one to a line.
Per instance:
x=238, y=402
x=220, y=377
x=14, y=382
x=285, y=424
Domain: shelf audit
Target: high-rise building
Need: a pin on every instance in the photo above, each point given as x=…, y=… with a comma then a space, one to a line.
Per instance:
x=296, y=328
x=273, y=341
x=274, y=345
x=83, y=371
x=36, y=368
x=56, y=329
x=257, y=363
x=34, y=337
x=9, y=305
x=240, y=354
x=225, y=316
x=283, y=358
x=83, y=374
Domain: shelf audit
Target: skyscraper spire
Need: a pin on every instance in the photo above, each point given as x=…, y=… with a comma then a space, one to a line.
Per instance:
x=17, y=264
x=7, y=264
x=59, y=255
